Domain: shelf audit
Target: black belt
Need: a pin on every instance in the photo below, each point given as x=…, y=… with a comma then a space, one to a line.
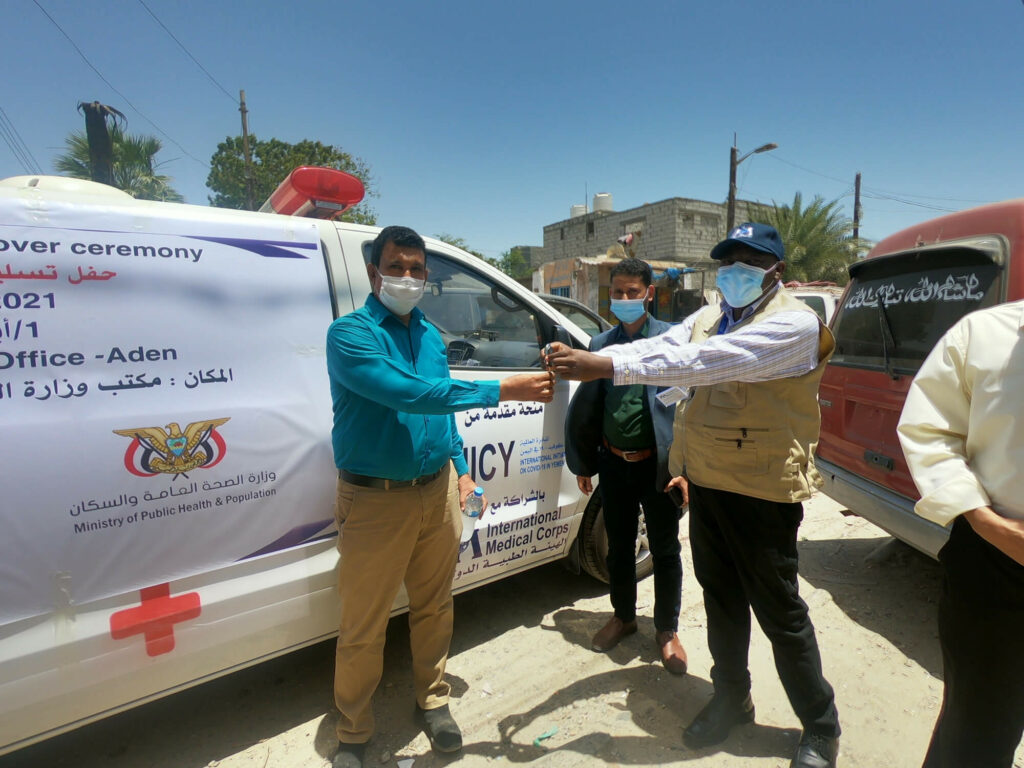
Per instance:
x=383, y=483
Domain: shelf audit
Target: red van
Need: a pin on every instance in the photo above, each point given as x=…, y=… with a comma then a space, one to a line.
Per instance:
x=901, y=299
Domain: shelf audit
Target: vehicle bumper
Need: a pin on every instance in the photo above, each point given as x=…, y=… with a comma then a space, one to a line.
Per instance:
x=888, y=510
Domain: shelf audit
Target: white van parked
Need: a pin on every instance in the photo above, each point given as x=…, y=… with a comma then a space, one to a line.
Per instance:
x=167, y=510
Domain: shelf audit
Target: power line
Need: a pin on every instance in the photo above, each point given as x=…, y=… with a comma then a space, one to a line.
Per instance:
x=907, y=202
x=896, y=196
x=930, y=197
x=18, y=147
x=110, y=85
x=775, y=156
x=182, y=46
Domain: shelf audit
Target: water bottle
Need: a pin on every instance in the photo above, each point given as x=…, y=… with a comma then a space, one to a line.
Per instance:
x=471, y=512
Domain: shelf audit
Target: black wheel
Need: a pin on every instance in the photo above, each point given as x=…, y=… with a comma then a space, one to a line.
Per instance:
x=594, y=544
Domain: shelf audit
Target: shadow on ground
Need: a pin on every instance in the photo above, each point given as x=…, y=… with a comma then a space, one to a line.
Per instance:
x=883, y=585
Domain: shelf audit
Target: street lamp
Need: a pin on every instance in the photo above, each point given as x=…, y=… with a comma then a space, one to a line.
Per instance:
x=734, y=161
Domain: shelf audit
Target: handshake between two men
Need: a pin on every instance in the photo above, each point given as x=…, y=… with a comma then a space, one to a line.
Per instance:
x=559, y=360
x=565, y=362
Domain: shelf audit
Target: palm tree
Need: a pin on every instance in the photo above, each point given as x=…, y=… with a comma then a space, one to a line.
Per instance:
x=819, y=239
x=135, y=166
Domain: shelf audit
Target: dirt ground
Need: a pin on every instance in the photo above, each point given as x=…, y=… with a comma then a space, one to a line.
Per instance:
x=527, y=689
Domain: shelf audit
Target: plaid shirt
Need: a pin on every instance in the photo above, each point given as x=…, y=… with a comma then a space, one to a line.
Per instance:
x=783, y=345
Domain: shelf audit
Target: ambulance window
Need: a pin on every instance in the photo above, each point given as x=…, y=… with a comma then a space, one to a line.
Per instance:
x=482, y=324
x=898, y=308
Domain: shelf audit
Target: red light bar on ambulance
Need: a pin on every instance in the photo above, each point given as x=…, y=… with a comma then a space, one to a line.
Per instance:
x=317, y=193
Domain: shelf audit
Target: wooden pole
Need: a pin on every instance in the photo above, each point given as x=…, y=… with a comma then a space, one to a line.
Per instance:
x=249, y=195
x=856, y=206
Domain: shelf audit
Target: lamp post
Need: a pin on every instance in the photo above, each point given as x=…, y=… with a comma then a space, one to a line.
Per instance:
x=734, y=161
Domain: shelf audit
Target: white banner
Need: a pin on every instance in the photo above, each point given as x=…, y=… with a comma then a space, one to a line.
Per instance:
x=164, y=402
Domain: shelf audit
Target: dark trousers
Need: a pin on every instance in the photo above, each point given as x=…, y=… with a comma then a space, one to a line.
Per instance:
x=981, y=631
x=624, y=487
x=745, y=558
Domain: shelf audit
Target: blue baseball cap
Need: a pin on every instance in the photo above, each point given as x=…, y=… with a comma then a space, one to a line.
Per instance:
x=760, y=237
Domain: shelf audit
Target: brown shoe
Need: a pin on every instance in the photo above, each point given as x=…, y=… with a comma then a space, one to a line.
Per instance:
x=673, y=655
x=611, y=633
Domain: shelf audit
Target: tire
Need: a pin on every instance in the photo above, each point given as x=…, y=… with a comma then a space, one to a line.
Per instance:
x=594, y=544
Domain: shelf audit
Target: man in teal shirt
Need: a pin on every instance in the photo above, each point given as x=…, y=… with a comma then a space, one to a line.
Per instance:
x=395, y=442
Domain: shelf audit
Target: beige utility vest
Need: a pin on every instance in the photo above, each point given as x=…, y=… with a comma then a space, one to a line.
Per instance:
x=756, y=439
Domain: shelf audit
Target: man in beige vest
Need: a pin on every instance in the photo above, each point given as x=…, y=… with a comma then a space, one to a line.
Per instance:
x=743, y=450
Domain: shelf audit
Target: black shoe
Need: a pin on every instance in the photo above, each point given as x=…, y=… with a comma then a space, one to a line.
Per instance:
x=714, y=722
x=348, y=755
x=816, y=751
x=442, y=729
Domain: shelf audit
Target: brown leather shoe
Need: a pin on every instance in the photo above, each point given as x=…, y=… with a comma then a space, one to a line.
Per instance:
x=673, y=655
x=611, y=633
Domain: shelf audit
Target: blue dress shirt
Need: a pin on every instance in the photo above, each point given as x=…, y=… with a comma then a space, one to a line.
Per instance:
x=393, y=396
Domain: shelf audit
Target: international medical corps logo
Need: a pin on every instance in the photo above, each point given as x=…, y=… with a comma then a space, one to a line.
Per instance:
x=170, y=451
x=741, y=232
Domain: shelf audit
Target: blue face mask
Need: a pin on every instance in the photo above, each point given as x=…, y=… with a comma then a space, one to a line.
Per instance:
x=740, y=284
x=628, y=310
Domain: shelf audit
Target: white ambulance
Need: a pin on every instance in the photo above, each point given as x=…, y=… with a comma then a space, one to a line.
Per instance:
x=167, y=504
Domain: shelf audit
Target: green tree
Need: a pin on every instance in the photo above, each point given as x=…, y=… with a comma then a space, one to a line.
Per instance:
x=272, y=161
x=818, y=237
x=135, y=166
x=460, y=242
x=514, y=264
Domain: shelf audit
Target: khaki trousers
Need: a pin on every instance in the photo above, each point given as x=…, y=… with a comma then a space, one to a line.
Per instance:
x=387, y=537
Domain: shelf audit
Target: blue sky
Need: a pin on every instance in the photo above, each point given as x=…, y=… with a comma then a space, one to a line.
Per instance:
x=487, y=120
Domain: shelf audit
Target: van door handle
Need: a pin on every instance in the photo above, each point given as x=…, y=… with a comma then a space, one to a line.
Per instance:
x=879, y=460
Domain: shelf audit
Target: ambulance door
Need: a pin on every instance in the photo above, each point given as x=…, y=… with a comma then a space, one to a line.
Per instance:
x=493, y=328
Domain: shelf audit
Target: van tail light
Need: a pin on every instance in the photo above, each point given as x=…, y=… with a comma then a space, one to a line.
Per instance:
x=317, y=193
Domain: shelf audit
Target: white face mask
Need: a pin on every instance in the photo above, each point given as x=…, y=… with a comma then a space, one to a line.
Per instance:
x=400, y=294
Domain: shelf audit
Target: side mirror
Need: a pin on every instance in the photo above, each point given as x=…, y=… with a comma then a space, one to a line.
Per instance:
x=560, y=334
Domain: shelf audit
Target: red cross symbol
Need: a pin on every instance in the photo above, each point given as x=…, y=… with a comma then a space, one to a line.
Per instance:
x=155, y=618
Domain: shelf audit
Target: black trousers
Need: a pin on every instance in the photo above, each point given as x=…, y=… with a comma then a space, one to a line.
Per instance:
x=981, y=631
x=745, y=558
x=624, y=487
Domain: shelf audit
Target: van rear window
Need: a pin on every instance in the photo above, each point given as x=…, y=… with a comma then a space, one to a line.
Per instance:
x=898, y=307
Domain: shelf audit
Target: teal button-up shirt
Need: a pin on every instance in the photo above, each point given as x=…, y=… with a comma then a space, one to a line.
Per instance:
x=393, y=396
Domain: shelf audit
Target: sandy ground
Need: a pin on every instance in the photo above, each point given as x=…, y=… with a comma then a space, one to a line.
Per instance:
x=527, y=689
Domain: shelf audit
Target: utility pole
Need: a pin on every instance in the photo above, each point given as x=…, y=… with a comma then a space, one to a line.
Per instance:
x=245, y=148
x=730, y=216
x=734, y=161
x=856, y=206
x=101, y=149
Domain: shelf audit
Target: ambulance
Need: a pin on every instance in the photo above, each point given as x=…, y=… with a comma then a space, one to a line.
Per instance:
x=167, y=512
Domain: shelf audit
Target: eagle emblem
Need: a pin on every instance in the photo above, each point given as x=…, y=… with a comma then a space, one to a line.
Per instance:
x=168, y=450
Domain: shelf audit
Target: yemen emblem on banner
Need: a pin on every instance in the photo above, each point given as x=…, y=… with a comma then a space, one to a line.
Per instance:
x=171, y=451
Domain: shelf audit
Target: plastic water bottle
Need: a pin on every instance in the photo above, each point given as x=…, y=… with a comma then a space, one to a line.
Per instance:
x=471, y=512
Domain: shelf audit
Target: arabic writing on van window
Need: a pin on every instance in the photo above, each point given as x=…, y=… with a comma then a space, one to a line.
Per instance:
x=962, y=288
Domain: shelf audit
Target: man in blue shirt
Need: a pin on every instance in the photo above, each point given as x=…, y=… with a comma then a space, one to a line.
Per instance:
x=395, y=442
x=623, y=433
